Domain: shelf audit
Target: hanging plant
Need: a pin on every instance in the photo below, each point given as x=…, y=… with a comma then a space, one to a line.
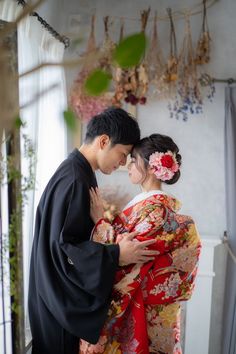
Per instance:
x=119, y=72
x=188, y=98
x=107, y=48
x=158, y=88
x=131, y=84
x=203, y=44
x=208, y=87
x=84, y=101
x=171, y=71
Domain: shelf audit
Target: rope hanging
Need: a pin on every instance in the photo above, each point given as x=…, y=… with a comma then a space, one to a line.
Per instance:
x=63, y=39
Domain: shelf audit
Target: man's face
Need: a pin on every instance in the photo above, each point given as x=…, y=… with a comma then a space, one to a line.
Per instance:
x=111, y=157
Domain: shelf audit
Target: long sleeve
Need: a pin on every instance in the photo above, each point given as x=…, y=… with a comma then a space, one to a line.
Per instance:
x=150, y=221
x=99, y=262
x=173, y=281
x=170, y=277
x=144, y=313
x=71, y=277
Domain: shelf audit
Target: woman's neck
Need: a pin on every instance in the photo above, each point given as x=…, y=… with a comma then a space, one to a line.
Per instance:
x=151, y=184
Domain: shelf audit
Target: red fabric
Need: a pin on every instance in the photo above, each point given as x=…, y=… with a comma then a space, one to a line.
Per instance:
x=144, y=315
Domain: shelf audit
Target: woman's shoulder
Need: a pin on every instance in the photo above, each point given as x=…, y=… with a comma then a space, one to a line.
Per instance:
x=164, y=200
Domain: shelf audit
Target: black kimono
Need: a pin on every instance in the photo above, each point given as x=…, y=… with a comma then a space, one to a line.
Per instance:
x=71, y=277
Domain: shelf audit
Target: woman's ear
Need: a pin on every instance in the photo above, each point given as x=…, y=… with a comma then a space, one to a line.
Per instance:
x=151, y=170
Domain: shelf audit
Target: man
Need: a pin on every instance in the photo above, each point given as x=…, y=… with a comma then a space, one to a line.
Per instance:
x=71, y=277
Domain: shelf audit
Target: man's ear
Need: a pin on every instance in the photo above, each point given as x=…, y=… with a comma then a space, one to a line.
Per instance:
x=103, y=141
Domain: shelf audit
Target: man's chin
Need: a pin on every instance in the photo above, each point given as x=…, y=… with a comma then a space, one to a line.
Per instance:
x=107, y=172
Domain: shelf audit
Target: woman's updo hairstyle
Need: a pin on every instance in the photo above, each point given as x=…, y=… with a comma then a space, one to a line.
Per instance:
x=157, y=143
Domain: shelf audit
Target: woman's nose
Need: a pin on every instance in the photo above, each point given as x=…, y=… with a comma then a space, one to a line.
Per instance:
x=129, y=165
x=123, y=161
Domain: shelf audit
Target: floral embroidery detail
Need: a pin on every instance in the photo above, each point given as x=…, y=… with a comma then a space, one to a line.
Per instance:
x=124, y=285
x=169, y=287
x=143, y=226
x=185, y=259
x=104, y=233
x=144, y=315
x=126, y=334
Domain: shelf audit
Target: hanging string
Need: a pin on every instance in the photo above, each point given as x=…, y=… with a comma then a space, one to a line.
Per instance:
x=121, y=30
x=173, y=45
x=204, y=19
x=178, y=14
x=144, y=19
x=63, y=39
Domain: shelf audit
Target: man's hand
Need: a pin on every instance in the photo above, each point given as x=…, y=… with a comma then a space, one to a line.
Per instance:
x=133, y=251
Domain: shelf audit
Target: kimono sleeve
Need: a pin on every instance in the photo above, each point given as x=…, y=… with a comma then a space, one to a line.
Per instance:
x=94, y=264
x=104, y=232
x=71, y=277
x=148, y=221
x=175, y=282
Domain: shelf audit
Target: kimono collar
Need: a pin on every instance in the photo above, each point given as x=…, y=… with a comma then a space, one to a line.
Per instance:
x=156, y=195
x=81, y=159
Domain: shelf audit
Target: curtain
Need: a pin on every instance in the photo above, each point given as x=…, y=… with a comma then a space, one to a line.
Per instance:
x=42, y=98
x=5, y=313
x=229, y=320
x=44, y=118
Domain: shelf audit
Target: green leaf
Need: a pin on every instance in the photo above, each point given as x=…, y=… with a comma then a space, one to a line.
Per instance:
x=70, y=120
x=19, y=123
x=97, y=82
x=130, y=50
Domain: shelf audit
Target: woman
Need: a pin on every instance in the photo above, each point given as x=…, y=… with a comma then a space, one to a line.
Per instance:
x=144, y=316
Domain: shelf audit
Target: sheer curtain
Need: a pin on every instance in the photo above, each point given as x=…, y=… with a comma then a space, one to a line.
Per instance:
x=5, y=303
x=42, y=96
x=44, y=121
x=8, y=12
x=229, y=320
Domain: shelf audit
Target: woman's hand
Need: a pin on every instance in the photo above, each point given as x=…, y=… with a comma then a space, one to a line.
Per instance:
x=96, y=205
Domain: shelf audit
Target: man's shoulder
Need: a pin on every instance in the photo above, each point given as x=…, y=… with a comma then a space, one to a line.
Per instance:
x=69, y=171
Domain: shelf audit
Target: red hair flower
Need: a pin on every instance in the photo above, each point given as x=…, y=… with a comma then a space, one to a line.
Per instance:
x=165, y=165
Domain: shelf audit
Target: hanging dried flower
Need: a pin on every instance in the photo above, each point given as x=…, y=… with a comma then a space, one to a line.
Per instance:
x=107, y=47
x=84, y=105
x=188, y=97
x=131, y=85
x=207, y=86
x=171, y=72
x=119, y=77
x=158, y=88
x=203, y=45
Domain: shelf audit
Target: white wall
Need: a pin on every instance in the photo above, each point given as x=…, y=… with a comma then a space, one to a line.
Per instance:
x=201, y=138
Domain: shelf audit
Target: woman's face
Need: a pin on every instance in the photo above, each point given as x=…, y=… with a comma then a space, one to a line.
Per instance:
x=135, y=168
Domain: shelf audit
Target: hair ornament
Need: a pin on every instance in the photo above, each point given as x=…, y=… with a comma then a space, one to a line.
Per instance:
x=165, y=165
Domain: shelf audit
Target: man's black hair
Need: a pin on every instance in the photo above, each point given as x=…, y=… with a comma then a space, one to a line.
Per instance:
x=118, y=124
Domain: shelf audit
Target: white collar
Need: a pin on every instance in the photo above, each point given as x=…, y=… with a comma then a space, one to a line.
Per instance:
x=142, y=196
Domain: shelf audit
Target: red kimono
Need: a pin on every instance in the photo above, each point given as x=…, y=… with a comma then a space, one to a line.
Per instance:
x=144, y=316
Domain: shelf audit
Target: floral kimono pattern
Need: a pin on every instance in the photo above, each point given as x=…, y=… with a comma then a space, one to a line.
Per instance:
x=144, y=315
